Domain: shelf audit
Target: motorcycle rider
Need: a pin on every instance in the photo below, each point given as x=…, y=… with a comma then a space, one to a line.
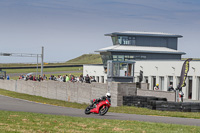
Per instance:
x=103, y=98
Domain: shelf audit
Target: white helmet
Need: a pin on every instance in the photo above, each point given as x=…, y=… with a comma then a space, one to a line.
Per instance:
x=108, y=95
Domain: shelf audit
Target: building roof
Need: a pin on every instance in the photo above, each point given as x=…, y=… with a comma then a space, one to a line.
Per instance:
x=143, y=49
x=142, y=33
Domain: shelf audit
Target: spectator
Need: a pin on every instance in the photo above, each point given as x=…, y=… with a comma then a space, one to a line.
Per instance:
x=87, y=79
x=40, y=78
x=60, y=78
x=73, y=79
x=81, y=79
x=64, y=78
x=8, y=78
x=70, y=77
x=44, y=77
x=34, y=78
x=30, y=77
x=170, y=88
x=67, y=78
x=20, y=77
x=156, y=87
x=92, y=79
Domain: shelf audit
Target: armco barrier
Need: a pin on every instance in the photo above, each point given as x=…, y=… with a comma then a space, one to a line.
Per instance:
x=162, y=104
x=72, y=92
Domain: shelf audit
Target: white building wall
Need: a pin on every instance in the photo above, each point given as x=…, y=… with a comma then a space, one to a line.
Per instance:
x=158, y=69
x=95, y=70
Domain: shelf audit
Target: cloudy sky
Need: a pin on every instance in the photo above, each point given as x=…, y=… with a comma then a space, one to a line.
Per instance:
x=70, y=28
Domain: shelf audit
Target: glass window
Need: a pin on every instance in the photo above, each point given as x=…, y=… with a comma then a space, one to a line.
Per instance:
x=114, y=40
x=130, y=70
x=143, y=57
x=114, y=56
x=119, y=39
x=125, y=40
x=123, y=69
x=118, y=57
x=115, y=69
x=128, y=57
x=105, y=58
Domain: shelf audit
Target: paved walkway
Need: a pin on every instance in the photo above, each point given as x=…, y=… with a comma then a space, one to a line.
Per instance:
x=13, y=104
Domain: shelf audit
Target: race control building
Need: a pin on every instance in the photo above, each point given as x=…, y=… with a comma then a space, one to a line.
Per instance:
x=153, y=54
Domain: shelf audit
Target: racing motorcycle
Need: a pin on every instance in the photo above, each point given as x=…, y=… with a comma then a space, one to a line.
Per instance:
x=100, y=108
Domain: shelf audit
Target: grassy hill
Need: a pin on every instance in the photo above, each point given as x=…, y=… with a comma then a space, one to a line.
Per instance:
x=86, y=59
x=83, y=59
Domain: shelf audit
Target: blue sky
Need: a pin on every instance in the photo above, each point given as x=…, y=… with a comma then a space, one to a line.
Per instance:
x=70, y=28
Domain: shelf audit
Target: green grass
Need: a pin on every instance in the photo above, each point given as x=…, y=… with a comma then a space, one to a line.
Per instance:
x=43, y=123
x=86, y=59
x=121, y=109
x=8, y=71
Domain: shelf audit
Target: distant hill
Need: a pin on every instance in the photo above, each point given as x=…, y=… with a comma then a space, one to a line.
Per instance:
x=86, y=59
x=194, y=59
x=83, y=59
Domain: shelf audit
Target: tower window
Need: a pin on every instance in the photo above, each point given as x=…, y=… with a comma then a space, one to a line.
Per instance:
x=125, y=40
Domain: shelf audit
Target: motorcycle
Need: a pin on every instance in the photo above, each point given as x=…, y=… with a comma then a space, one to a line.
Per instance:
x=100, y=108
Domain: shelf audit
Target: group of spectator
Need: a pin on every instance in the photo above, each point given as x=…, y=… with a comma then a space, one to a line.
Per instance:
x=171, y=88
x=32, y=77
x=64, y=78
x=72, y=78
x=7, y=77
x=89, y=79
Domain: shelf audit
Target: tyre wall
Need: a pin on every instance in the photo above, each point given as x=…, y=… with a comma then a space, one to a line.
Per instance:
x=157, y=103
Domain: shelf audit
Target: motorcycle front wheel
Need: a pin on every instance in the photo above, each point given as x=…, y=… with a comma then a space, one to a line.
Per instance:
x=87, y=110
x=103, y=110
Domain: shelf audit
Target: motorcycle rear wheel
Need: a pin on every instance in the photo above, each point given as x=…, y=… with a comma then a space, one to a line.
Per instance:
x=103, y=110
x=87, y=110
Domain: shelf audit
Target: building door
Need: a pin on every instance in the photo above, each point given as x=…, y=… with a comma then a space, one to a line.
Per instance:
x=97, y=79
x=161, y=83
x=177, y=82
x=190, y=88
x=198, y=88
x=154, y=81
x=102, y=79
x=146, y=80
x=170, y=81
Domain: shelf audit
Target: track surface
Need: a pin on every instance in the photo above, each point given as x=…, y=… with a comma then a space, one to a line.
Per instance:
x=14, y=104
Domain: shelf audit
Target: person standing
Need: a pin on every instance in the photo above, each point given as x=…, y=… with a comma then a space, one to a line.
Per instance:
x=67, y=78
x=156, y=87
x=87, y=79
x=171, y=88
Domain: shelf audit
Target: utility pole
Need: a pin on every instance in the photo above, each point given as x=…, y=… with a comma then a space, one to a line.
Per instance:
x=37, y=67
x=42, y=60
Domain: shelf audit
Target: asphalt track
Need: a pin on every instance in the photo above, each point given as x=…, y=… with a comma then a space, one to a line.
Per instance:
x=14, y=104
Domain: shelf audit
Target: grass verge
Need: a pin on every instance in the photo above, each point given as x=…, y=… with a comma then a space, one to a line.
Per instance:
x=8, y=71
x=43, y=123
x=121, y=109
